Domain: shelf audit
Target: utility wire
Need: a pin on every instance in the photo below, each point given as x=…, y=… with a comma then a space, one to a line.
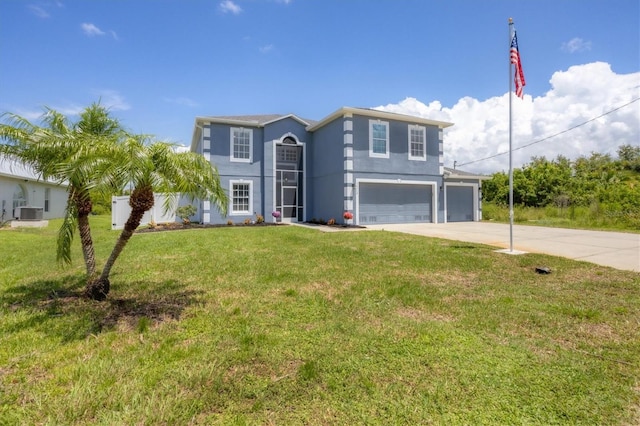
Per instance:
x=552, y=136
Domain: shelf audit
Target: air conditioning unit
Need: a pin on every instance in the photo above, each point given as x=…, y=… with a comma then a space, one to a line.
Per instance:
x=29, y=213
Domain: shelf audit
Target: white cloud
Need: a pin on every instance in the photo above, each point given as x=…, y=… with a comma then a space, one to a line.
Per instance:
x=266, y=49
x=91, y=30
x=576, y=44
x=112, y=100
x=30, y=114
x=182, y=101
x=181, y=148
x=227, y=6
x=38, y=11
x=579, y=94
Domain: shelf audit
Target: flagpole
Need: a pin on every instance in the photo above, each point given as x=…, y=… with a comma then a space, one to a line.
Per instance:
x=510, y=143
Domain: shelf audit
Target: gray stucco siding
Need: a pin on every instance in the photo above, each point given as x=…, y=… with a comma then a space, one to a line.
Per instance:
x=327, y=174
x=398, y=161
x=220, y=150
x=280, y=128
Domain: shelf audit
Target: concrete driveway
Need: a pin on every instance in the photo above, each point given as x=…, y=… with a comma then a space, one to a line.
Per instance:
x=616, y=249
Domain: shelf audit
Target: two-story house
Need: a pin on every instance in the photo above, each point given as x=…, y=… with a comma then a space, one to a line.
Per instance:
x=382, y=167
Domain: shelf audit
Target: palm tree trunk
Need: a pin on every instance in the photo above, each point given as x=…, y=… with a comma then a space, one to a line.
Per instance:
x=84, y=205
x=141, y=200
x=87, y=245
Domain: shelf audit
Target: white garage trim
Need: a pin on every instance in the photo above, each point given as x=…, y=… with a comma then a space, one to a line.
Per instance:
x=434, y=193
x=475, y=198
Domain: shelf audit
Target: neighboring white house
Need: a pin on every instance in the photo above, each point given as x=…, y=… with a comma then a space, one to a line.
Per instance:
x=21, y=187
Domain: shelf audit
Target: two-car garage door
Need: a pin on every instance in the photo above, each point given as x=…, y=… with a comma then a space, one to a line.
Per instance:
x=394, y=203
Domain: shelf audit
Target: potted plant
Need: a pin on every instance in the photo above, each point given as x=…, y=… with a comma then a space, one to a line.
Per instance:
x=347, y=217
x=276, y=216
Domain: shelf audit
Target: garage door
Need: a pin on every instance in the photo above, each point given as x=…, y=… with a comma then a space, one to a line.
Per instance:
x=459, y=204
x=394, y=203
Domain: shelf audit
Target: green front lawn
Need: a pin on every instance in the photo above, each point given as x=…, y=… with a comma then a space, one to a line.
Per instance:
x=287, y=325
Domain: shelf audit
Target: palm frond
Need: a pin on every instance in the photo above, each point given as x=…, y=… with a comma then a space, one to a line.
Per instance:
x=66, y=234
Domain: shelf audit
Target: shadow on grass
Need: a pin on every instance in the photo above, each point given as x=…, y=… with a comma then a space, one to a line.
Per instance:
x=59, y=309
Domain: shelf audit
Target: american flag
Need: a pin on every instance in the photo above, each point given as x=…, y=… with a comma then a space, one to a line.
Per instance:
x=515, y=59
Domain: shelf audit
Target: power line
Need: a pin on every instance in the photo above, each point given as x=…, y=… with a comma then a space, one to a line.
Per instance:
x=552, y=136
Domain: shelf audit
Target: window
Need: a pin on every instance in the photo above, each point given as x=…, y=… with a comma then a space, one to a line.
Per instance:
x=378, y=139
x=47, y=197
x=241, y=144
x=19, y=196
x=417, y=143
x=241, y=197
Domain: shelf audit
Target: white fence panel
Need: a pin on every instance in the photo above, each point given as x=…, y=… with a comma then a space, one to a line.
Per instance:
x=120, y=211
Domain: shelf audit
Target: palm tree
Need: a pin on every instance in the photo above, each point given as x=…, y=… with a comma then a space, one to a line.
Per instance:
x=78, y=154
x=150, y=167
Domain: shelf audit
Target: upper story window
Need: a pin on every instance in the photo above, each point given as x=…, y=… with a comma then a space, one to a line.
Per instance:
x=417, y=143
x=241, y=144
x=378, y=139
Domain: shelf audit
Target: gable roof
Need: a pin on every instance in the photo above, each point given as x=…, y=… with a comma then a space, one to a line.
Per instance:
x=374, y=113
x=258, y=120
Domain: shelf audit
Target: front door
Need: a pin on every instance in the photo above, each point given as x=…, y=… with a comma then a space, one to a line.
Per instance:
x=289, y=181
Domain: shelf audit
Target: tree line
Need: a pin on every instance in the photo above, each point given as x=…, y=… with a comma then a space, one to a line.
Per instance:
x=599, y=181
x=95, y=157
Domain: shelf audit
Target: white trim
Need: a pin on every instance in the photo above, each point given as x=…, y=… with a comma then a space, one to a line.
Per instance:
x=348, y=152
x=288, y=135
x=206, y=132
x=292, y=116
x=434, y=194
x=348, y=139
x=232, y=130
x=250, y=207
x=348, y=178
x=374, y=154
x=348, y=165
x=476, y=207
x=423, y=157
x=348, y=125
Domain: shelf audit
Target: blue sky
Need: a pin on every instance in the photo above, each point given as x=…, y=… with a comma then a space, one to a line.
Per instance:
x=159, y=64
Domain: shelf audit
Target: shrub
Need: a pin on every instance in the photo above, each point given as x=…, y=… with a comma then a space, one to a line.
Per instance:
x=229, y=222
x=184, y=212
x=331, y=222
x=259, y=218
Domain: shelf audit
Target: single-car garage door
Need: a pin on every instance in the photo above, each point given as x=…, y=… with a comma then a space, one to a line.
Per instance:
x=394, y=203
x=459, y=203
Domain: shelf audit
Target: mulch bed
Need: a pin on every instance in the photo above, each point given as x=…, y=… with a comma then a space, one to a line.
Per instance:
x=177, y=226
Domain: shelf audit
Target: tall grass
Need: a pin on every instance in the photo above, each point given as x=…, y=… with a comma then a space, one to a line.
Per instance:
x=286, y=325
x=596, y=216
